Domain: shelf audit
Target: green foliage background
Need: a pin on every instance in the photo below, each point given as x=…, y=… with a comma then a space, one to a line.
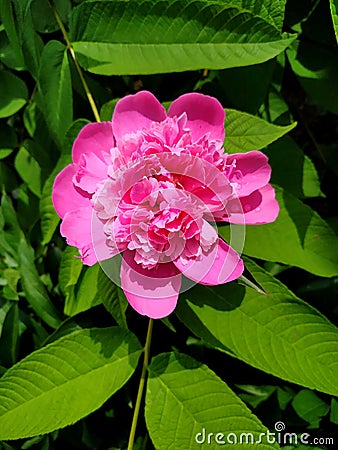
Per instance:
x=231, y=359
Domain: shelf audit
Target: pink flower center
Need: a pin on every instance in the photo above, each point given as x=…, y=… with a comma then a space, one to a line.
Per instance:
x=151, y=203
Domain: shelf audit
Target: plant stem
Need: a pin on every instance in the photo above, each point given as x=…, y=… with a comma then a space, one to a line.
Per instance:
x=78, y=68
x=141, y=385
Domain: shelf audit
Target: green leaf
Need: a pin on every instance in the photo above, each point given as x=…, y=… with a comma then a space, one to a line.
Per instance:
x=334, y=411
x=56, y=88
x=8, y=140
x=43, y=17
x=279, y=333
x=284, y=396
x=29, y=170
x=12, y=276
x=86, y=294
x=35, y=123
x=7, y=18
x=186, y=401
x=158, y=36
x=9, y=336
x=13, y=94
x=113, y=298
x=299, y=237
x=318, y=75
x=310, y=407
x=10, y=229
x=334, y=14
x=65, y=381
x=33, y=287
x=30, y=42
x=255, y=395
x=270, y=10
x=70, y=269
x=245, y=132
x=285, y=157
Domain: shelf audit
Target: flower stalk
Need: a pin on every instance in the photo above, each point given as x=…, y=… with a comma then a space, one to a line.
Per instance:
x=143, y=378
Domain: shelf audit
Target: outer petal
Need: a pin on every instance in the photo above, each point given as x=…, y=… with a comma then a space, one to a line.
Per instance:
x=91, y=170
x=84, y=230
x=257, y=208
x=135, y=112
x=251, y=171
x=205, y=115
x=221, y=265
x=95, y=138
x=65, y=196
x=152, y=293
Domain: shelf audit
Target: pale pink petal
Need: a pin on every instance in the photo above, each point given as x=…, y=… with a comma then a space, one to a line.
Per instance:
x=257, y=208
x=65, y=196
x=220, y=265
x=153, y=292
x=251, y=171
x=95, y=138
x=82, y=229
x=76, y=226
x=99, y=242
x=91, y=171
x=205, y=115
x=136, y=112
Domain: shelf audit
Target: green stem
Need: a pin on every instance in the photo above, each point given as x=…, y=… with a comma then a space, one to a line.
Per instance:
x=141, y=385
x=78, y=68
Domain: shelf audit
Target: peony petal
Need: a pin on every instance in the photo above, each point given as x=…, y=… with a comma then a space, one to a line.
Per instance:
x=257, y=208
x=251, y=171
x=95, y=138
x=91, y=171
x=135, y=112
x=76, y=226
x=82, y=229
x=99, y=241
x=65, y=196
x=152, y=293
x=205, y=115
x=221, y=265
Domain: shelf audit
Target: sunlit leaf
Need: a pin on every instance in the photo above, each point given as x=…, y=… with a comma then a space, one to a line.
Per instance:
x=64, y=381
x=245, y=132
x=156, y=36
x=278, y=333
x=186, y=402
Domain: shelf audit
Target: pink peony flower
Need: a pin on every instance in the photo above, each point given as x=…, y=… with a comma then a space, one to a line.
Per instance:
x=149, y=185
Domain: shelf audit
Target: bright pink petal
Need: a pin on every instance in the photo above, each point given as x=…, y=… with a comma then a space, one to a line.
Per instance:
x=95, y=138
x=153, y=292
x=251, y=171
x=257, y=208
x=221, y=265
x=91, y=170
x=205, y=115
x=66, y=197
x=135, y=112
